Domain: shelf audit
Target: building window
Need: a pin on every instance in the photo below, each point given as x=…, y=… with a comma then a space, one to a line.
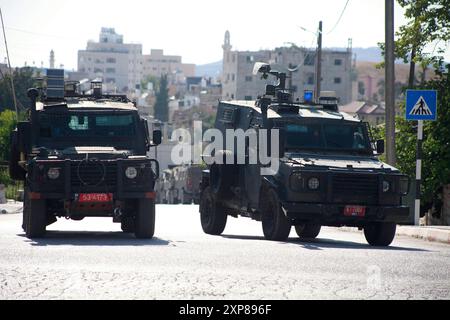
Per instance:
x=249, y=78
x=233, y=77
x=250, y=59
x=310, y=79
x=234, y=58
x=310, y=59
x=248, y=98
x=110, y=70
x=97, y=70
x=111, y=60
x=232, y=96
x=337, y=62
x=337, y=80
x=110, y=80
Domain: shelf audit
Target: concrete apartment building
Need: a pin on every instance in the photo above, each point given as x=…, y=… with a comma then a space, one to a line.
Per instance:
x=119, y=64
x=156, y=63
x=240, y=83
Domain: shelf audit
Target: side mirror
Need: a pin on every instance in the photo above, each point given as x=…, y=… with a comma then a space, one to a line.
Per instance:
x=157, y=137
x=380, y=146
x=24, y=136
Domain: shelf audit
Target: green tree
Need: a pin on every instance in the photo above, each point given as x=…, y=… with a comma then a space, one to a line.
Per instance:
x=23, y=80
x=429, y=23
x=162, y=100
x=7, y=124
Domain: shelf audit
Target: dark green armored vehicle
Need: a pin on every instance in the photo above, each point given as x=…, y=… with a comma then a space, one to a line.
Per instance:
x=328, y=172
x=84, y=155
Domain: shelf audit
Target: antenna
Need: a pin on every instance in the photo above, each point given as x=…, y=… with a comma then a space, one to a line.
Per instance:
x=9, y=67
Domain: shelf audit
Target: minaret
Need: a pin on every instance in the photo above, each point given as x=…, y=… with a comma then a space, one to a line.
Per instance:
x=227, y=44
x=52, y=59
x=227, y=68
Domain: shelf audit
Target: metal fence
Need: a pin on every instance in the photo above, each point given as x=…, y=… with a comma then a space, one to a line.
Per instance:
x=13, y=189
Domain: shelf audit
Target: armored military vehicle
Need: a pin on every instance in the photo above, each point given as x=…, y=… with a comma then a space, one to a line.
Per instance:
x=84, y=155
x=328, y=174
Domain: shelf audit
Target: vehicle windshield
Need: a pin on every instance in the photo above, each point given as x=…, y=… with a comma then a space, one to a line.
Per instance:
x=87, y=129
x=335, y=137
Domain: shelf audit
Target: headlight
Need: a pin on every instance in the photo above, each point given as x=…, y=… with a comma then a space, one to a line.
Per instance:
x=403, y=185
x=296, y=181
x=386, y=186
x=53, y=173
x=313, y=183
x=131, y=173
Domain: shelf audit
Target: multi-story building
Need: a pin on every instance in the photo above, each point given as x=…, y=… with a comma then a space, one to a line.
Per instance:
x=239, y=82
x=156, y=63
x=119, y=64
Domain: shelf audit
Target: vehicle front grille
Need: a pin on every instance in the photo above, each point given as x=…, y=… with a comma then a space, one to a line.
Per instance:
x=366, y=185
x=94, y=174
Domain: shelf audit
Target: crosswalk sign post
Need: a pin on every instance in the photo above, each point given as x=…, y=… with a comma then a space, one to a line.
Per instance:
x=421, y=105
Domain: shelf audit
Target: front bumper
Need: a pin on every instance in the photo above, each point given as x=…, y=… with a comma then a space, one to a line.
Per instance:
x=333, y=214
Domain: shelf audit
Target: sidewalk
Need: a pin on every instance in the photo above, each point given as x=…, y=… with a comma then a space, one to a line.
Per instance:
x=429, y=233
x=12, y=207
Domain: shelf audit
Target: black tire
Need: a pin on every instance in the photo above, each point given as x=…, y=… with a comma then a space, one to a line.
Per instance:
x=145, y=219
x=380, y=234
x=276, y=226
x=16, y=172
x=212, y=215
x=308, y=231
x=35, y=217
x=128, y=225
x=221, y=179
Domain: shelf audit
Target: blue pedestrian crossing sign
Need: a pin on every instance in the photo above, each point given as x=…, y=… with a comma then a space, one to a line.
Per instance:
x=421, y=105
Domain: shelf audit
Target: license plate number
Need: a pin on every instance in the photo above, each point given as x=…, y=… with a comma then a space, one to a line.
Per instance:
x=95, y=197
x=355, y=211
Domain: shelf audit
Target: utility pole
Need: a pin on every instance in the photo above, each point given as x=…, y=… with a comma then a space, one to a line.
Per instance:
x=319, y=63
x=390, y=84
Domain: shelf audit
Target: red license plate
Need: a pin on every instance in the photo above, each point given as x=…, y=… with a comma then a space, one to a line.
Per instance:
x=355, y=211
x=95, y=197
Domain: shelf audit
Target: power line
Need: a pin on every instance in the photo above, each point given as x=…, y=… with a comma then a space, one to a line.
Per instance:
x=340, y=17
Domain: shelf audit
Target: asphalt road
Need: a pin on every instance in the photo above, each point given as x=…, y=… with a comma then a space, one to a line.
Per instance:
x=92, y=259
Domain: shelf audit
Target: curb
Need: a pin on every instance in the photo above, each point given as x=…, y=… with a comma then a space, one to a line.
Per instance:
x=428, y=234
x=423, y=233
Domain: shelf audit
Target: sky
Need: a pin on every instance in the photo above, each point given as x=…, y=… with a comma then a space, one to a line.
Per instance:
x=193, y=29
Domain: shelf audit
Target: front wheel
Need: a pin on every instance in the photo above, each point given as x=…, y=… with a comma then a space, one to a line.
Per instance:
x=212, y=215
x=35, y=217
x=275, y=224
x=380, y=234
x=308, y=231
x=145, y=219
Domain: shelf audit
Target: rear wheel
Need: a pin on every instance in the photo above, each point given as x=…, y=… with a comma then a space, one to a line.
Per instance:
x=145, y=219
x=275, y=224
x=212, y=215
x=308, y=231
x=35, y=217
x=380, y=234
